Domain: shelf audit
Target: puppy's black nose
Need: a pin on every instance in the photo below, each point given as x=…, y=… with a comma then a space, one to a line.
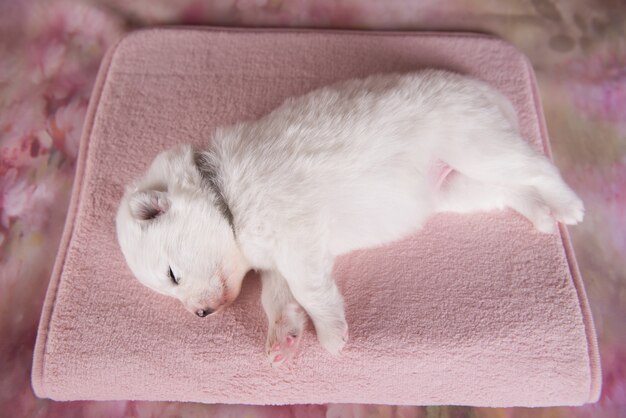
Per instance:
x=204, y=312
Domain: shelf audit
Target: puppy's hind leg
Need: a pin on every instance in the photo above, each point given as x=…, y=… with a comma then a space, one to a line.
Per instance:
x=285, y=316
x=501, y=157
x=461, y=194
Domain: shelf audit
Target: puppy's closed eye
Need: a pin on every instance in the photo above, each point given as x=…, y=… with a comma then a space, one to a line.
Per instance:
x=175, y=280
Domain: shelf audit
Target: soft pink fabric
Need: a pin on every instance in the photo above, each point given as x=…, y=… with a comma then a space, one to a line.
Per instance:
x=474, y=310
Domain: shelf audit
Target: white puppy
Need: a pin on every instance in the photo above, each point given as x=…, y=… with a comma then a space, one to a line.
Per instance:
x=353, y=165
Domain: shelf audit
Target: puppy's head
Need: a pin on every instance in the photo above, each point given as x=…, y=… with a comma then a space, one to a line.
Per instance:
x=175, y=237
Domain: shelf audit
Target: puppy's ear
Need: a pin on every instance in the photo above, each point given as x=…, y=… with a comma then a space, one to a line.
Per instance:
x=148, y=204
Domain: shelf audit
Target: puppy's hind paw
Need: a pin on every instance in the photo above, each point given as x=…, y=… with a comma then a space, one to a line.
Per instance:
x=565, y=206
x=542, y=220
x=570, y=213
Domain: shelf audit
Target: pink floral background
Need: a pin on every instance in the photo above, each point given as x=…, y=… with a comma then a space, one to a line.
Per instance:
x=49, y=56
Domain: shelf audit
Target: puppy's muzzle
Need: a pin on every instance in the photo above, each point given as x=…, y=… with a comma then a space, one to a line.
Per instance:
x=204, y=312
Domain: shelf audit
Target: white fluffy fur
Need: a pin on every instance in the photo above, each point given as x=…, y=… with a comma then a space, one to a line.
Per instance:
x=341, y=168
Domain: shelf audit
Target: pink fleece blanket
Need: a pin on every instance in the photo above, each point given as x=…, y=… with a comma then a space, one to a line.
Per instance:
x=473, y=310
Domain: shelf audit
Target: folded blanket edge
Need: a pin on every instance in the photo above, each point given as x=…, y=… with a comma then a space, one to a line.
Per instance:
x=38, y=380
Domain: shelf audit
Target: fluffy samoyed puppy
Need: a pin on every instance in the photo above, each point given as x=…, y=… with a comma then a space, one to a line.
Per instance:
x=353, y=165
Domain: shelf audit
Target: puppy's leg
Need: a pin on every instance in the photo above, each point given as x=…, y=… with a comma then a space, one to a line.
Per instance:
x=285, y=316
x=313, y=287
x=502, y=158
x=461, y=194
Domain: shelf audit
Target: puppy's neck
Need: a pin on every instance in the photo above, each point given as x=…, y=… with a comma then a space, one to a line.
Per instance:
x=207, y=164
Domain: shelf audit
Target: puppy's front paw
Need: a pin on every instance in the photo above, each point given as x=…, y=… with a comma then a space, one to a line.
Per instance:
x=285, y=334
x=283, y=350
x=333, y=337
